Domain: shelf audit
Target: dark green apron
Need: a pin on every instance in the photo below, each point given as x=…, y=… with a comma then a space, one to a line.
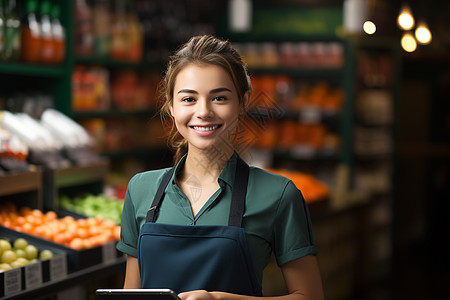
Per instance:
x=186, y=258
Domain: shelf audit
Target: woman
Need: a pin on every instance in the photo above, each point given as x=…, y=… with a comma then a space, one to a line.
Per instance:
x=206, y=228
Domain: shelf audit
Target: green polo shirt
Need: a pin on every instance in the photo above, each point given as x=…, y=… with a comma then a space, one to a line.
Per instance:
x=276, y=217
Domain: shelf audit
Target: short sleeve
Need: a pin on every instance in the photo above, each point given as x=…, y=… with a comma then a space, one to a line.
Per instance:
x=293, y=237
x=129, y=228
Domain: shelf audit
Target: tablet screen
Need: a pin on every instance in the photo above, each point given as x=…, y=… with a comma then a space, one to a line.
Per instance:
x=151, y=294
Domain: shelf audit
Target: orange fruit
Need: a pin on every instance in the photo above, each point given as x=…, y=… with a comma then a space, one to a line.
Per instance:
x=76, y=243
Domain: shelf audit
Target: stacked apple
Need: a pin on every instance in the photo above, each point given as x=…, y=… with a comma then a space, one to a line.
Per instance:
x=20, y=253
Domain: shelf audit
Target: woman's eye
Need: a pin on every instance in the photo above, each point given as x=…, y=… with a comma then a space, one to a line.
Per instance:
x=188, y=99
x=219, y=98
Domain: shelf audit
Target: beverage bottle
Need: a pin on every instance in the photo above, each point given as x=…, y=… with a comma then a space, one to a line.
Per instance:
x=119, y=32
x=101, y=28
x=58, y=35
x=30, y=34
x=47, y=46
x=135, y=34
x=83, y=28
x=2, y=28
x=11, y=47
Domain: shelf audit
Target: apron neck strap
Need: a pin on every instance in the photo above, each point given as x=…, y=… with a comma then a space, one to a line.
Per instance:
x=237, y=207
x=152, y=213
x=237, y=198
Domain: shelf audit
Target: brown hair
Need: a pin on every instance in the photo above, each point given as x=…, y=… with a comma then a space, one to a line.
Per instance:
x=200, y=50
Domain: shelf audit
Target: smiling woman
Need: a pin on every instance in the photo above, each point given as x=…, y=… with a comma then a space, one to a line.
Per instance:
x=214, y=221
x=202, y=51
x=205, y=108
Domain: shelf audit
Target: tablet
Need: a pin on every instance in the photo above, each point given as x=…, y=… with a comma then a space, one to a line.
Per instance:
x=125, y=294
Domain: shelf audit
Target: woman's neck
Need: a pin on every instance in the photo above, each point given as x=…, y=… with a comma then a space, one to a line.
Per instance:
x=206, y=166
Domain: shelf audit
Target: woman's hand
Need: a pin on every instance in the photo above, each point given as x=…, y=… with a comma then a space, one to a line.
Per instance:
x=196, y=295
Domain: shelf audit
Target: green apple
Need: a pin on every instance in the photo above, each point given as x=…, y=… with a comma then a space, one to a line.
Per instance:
x=5, y=267
x=8, y=256
x=22, y=261
x=20, y=243
x=4, y=245
x=46, y=254
x=31, y=252
x=16, y=264
x=20, y=253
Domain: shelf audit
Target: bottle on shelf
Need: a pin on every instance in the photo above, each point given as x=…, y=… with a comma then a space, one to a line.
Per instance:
x=11, y=48
x=135, y=36
x=58, y=35
x=101, y=28
x=2, y=28
x=83, y=28
x=47, y=51
x=30, y=34
x=119, y=31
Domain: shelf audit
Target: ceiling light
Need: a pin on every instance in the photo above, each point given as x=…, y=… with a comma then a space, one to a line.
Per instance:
x=405, y=18
x=369, y=27
x=423, y=34
x=408, y=42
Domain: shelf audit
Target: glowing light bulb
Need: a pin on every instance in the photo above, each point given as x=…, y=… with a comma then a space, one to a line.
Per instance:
x=408, y=42
x=405, y=18
x=369, y=27
x=423, y=34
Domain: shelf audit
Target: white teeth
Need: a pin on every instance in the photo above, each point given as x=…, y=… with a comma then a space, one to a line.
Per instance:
x=207, y=128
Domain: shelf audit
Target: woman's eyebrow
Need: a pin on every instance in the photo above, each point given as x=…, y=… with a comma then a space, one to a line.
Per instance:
x=187, y=91
x=218, y=90
x=213, y=91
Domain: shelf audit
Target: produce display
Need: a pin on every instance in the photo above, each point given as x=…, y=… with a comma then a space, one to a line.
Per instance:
x=20, y=253
x=99, y=206
x=74, y=233
x=312, y=189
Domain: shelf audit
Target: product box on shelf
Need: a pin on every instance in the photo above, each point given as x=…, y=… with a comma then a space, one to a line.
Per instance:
x=35, y=273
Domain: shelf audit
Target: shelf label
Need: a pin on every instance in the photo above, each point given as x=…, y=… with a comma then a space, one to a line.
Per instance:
x=311, y=115
x=109, y=252
x=33, y=275
x=13, y=281
x=58, y=267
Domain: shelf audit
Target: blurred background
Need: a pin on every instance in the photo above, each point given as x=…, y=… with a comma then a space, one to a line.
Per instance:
x=350, y=100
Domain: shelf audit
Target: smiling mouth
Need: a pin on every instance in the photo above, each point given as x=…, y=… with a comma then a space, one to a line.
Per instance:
x=206, y=128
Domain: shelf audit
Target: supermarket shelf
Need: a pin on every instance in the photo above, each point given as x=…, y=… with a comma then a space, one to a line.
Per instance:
x=73, y=177
x=81, y=277
x=299, y=71
x=20, y=182
x=108, y=62
x=113, y=113
x=77, y=175
x=31, y=70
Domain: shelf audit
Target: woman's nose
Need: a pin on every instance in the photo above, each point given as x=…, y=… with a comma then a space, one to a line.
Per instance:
x=204, y=109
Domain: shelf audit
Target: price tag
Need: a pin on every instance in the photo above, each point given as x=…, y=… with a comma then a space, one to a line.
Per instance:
x=58, y=267
x=311, y=115
x=109, y=252
x=13, y=281
x=33, y=275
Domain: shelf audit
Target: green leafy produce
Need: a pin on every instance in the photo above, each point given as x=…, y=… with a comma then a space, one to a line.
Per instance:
x=94, y=206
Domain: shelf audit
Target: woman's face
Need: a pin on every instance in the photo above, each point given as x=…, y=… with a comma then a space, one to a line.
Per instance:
x=205, y=106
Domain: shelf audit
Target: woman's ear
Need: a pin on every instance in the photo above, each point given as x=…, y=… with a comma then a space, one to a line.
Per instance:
x=171, y=109
x=245, y=102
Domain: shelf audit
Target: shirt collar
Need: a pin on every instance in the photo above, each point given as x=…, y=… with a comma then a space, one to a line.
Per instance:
x=227, y=175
